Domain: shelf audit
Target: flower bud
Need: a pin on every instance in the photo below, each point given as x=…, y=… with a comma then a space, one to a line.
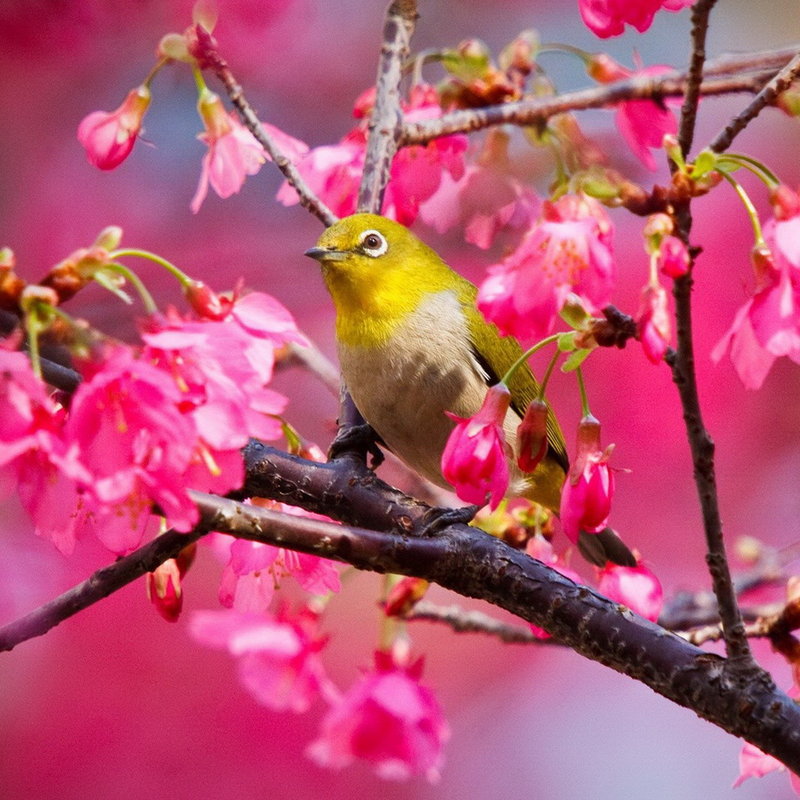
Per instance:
x=532, y=436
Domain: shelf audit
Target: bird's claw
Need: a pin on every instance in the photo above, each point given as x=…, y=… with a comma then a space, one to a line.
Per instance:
x=436, y=519
x=361, y=439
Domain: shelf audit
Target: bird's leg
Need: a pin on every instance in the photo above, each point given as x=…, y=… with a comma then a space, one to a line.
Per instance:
x=359, y=439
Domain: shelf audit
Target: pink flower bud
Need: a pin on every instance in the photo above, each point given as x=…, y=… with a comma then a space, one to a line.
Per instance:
x=532, y=436
x=589, y=487
x=653, y=323
x=108, y=137
x=474, y=458
x=673, y=257
x=206, y=302
x=636, y=587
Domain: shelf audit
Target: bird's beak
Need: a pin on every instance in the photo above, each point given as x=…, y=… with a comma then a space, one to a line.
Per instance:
x=324, y=254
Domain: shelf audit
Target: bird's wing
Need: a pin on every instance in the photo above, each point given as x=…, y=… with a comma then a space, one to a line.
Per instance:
x=485, y=338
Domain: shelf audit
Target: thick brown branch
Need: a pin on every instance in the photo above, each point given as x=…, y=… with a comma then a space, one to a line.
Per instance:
x=474, y=564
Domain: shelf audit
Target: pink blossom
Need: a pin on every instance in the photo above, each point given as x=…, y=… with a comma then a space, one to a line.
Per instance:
x=767, y=326
x=570, y=249
x=636, y=587
x=164, y=584
x=589, y=486
x=34, y=458
x=608, y=18
x=642, y=123
x=233, y=152
x=334, y=172
x=532, y=436
x=488, y=198
x=255, y=570
x=653, y=322
x=136, y=445
x=754, y=763
x=278, y=656
x=474, y=460
x=108, y=137
x=387, y=718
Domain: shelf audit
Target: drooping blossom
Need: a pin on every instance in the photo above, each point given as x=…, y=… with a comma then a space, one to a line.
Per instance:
x=136, y=445
x=233, y=152
x=539, y=548
x=569, y=250
x=642, y=123
x=35, y=460
x=474, y=460
x=387, y=718
x=164, y=585
x=636, y=587
x=278, y=656
x=767, y=326
x=755, y=763
x=334, y=172
x=255, y=570
x=108, y=136
x=589, y=486
x=608, y=18
x=653, y=323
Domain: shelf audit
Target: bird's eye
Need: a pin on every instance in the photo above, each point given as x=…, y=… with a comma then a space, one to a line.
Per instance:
x=374, y=244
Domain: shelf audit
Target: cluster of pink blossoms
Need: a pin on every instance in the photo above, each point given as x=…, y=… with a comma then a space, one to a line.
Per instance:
x=144, y=427
x=609, y=17
x=568, y=251
x=386, y=718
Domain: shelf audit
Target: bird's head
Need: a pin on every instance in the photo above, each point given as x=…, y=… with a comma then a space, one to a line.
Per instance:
x=374, y=264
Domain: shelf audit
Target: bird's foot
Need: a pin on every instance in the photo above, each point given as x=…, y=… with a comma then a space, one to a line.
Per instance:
x=436, y=519
x=360, y=439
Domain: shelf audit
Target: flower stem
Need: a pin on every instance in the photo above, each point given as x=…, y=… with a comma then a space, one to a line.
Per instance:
x=749, y=207
x=135, y=281
x=526, y=355
x=585, y=411
x=181, y=276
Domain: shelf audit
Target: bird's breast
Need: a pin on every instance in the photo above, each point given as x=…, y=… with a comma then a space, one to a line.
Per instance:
x=403, y=386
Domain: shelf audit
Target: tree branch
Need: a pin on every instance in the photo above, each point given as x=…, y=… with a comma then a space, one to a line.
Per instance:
x=726, y=75
x=767, y=96
x=684, y=376
x=209, y=56
x=474, y=564
x=386, y=119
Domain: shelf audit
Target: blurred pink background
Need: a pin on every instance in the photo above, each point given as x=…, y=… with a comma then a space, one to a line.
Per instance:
x=116, y=703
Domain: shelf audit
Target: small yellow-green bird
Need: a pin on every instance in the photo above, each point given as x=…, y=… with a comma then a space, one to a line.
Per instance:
x=412, y=345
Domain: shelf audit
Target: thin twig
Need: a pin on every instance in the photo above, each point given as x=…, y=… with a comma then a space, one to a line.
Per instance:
x=700, y=14
x=767, y=96
x=386, y=119
x=725, y=75
x=211, y=57
x=460, y=620
x=684, y=376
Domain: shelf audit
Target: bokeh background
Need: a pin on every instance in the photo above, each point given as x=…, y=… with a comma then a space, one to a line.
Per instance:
x=115, y=702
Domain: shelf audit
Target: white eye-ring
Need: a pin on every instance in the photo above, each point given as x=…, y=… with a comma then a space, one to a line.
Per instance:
x=373, y=244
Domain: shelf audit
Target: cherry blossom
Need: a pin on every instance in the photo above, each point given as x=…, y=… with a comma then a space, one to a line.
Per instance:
x=569, y=250
x=278, y=656
x=608, y=18
x=387, y=718
x=589, y=486
x=109, y=136
x=636, y=587
x=474, y=458
x=653, y=322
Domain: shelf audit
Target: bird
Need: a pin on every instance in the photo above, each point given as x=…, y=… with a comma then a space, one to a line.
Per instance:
x=413, y=345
